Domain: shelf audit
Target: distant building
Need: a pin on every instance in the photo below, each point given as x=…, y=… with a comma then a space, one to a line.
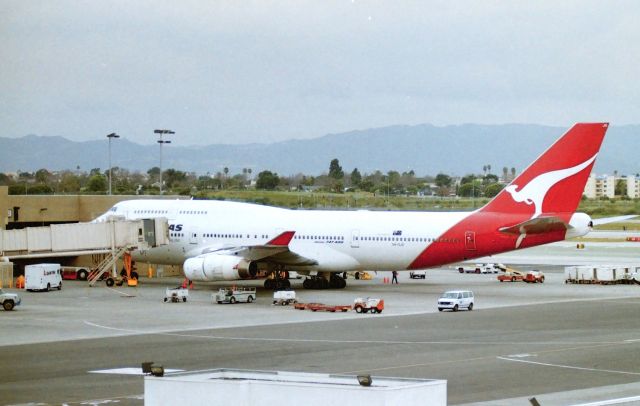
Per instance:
x=600, y=186
x=633, y=187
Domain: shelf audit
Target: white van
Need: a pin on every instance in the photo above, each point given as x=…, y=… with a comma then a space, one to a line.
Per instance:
x=455, y=300
x=42, y=277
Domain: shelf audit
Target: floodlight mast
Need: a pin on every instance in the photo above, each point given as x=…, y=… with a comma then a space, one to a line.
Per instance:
x=161, y=141
x=110, y=137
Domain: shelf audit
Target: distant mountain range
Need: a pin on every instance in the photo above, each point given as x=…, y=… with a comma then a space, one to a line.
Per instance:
x=427, y=149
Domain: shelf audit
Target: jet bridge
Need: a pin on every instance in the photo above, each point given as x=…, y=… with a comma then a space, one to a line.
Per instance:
x=114, y=236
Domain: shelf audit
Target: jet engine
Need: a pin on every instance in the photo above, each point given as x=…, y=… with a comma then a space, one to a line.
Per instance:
x=216, y=267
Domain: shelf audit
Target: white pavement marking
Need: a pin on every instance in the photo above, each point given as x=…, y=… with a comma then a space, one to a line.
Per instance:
x=611, y=371
x=119, y=292
x=128, y=371
x=611, y=401
x=521, y=355
x=318, y=340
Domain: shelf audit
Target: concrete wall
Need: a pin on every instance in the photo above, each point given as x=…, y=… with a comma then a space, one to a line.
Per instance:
x=47, y=209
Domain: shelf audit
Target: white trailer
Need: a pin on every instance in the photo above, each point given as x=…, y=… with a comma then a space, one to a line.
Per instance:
x=284, y=297
x=234, y=295
x=42, y=277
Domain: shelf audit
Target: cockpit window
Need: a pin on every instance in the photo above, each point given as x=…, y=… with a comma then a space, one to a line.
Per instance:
x=113, y=209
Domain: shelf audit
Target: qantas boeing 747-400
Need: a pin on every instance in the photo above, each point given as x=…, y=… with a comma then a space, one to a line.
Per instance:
x=219, y=240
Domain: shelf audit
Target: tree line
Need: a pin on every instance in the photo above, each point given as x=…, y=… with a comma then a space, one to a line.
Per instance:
x=336, y=180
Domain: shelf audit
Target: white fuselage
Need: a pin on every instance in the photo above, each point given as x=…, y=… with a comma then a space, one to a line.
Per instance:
x=336, y=240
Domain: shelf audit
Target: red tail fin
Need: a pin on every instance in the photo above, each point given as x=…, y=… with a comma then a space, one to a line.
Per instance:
x=534, y=209
x=554, y=183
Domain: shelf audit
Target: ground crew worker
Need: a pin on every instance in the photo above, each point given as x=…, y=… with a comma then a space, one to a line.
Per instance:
x=395, y=277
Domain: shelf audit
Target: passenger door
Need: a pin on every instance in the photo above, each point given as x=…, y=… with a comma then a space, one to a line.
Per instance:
x=470, y=240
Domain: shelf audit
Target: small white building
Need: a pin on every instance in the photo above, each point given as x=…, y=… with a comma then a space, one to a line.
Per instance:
x=258, y=388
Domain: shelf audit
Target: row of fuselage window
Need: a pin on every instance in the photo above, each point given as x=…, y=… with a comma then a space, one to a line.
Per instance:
x=332, y=238
x=167, y=212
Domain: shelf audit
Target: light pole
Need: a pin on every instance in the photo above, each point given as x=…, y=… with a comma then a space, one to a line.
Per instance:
x=110, y=136
x=161, y=141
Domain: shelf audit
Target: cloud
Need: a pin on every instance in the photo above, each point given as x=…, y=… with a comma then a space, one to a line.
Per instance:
x=237, y=72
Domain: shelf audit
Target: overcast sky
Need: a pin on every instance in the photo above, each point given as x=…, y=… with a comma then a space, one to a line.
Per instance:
x=263, y=71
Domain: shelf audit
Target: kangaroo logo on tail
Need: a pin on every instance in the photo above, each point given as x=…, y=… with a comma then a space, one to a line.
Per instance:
x=536, y=190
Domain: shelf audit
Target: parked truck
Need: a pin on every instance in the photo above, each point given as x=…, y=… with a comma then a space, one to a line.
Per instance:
x=42, y=277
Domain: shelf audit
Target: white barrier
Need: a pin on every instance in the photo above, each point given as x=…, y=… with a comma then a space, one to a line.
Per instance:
x=261, y=388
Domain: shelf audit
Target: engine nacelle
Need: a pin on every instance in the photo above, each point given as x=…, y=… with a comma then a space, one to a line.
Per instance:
x=581, y=224
x=215, y=267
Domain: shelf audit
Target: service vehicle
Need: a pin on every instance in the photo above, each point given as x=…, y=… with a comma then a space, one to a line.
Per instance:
x=80, y=273
x=418, y=274
x=511, y=276
x=362, y=305
x=456, y=300
x=42, y=277
x=534, y=277
x=176, y=295
x=9, y=300
x=284, y=297
x=477, y=268
x=489, y=268
x=235, y=295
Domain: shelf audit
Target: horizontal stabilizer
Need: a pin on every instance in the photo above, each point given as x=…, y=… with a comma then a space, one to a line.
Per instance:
x=538, y=225
x=617, y=219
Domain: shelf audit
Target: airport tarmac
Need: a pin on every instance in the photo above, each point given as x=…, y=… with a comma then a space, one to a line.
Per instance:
x=563, y=344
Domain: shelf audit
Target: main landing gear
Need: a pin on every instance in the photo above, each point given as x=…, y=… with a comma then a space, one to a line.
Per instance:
x=277, y=284
x=278, y=280
x=334, y=281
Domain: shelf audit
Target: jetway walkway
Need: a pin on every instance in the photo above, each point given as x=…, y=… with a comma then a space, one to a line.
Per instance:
x=115, y=237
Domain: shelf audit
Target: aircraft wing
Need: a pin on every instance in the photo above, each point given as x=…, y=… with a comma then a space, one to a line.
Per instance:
x=276, y=250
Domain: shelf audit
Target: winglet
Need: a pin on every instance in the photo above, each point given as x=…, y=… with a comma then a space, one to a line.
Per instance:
x=281, y=240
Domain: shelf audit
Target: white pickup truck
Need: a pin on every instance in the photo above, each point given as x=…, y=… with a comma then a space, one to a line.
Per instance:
x=9, y=300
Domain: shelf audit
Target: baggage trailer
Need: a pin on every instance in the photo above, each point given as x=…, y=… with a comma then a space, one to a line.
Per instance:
x=284, y=297
x=314, y=307
x=234, y=295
